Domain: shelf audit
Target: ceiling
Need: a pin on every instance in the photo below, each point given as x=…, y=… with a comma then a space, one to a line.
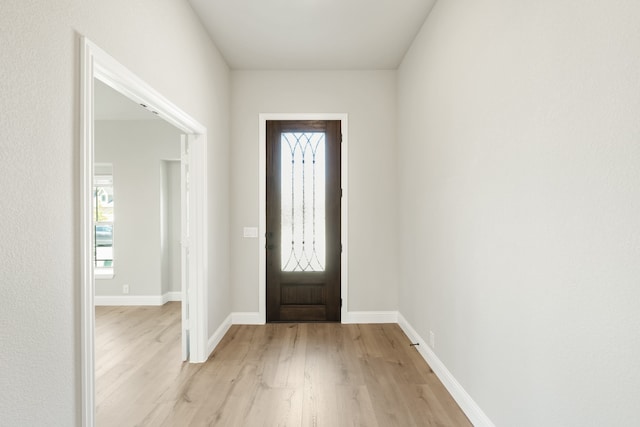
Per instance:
x=313, y=34
x=295, y=35
x=112, y=105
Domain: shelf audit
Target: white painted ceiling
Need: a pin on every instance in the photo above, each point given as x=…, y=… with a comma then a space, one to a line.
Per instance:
x=112, y=105
x=313, y=34
x=295, y=35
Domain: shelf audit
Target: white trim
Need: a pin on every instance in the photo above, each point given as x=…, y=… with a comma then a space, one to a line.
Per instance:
x=184, y=242
x=112, y=73
x=96, y=63
x=248, y=318
x=87, y=308
x=137, y=299
x=103, y=273
x=344, y=216
x=198, y=249
x=217, y=336
x=363, y=317
x=128, y=300
x=171, y=296
x=262, y=198
x=471, y=409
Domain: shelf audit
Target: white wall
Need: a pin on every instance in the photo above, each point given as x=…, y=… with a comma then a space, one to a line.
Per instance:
x=174, y=227
x=519, y=168
x=369, y=99
x=171, y=225
x=165, y=267
x=164, y=44
x=137, y=149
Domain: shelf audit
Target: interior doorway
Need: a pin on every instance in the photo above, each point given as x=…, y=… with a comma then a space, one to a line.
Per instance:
x=97, y=64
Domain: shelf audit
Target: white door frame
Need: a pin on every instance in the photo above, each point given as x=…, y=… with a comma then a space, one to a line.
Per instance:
x=95, y=63
x=184, y=242
x=344, y=206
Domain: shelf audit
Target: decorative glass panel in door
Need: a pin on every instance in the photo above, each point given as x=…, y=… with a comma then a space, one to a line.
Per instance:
x=302, y=170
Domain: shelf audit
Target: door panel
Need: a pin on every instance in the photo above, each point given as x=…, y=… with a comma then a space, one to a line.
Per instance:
x=303, y=220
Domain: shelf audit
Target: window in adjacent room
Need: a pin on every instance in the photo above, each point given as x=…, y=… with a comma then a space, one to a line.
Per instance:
x=103, y=220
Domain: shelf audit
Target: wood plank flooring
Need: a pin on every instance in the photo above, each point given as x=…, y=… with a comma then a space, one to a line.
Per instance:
x=287, y=374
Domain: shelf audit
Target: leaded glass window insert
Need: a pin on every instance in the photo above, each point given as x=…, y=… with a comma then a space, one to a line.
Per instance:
x=302, y=168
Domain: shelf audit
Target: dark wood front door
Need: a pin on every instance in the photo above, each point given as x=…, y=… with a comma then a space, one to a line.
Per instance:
x=303, y=220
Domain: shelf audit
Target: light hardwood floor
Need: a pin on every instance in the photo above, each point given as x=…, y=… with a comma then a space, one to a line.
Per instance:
x=308, y=374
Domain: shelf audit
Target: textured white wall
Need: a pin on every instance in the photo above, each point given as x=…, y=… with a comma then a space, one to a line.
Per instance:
x=136, y=149
x=369, y=99
x=519, y=166
x=164, y=44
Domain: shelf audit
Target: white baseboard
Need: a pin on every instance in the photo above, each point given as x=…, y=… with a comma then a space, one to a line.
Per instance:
x=370, y=317
x=217, y=336
x=172, y=296
x=128, y=300
x=247, y=318
x=471, y=409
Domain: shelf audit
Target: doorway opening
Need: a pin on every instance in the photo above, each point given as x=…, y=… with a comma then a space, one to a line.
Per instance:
x=97, y=64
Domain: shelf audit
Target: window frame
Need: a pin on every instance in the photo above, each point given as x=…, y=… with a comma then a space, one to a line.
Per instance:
x=103, y=177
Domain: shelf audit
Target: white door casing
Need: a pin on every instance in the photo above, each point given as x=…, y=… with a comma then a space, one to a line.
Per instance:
x=184, y=242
